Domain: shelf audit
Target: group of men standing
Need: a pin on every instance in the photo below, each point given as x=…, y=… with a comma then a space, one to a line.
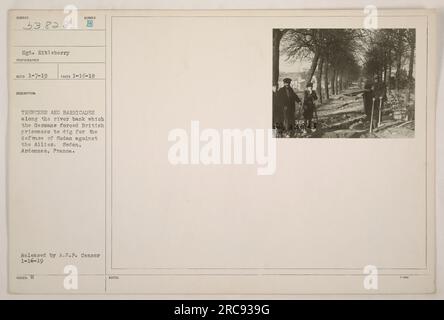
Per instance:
x=288, y=107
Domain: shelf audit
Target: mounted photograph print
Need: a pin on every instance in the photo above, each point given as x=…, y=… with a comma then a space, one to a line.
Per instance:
x=344, y=83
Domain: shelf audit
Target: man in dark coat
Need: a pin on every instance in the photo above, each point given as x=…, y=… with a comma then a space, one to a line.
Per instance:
x=308, y=106
x=368, y=99
x=374, y=95
x=278, y=113
x=287, y=101
x=380, y=93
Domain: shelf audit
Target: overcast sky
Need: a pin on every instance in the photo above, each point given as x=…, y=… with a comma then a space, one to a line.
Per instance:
x=292, y=66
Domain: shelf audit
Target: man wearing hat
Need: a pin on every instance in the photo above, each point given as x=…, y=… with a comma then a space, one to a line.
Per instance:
x=287, y=99
x=309, y=104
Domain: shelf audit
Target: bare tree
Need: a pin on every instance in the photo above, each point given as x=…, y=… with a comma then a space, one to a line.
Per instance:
x=411, y=40
x=277, y=37
x=319, y=78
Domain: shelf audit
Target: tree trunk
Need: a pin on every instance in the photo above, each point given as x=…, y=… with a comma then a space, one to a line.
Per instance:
x=337, y=81
x=341, y=84
x=319, y=79
x=412, y=59
x=277, y=36
x=398, y=73
x=314, y=63
x=335, y=77
x=333, y=84
x=399, y=61
x=390, y=71
x=326, y=80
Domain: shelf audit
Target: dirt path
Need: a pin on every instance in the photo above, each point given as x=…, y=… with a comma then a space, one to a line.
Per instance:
x=343, y=117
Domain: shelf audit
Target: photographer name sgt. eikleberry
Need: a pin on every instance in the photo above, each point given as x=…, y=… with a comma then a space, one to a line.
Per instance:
x=344, y=83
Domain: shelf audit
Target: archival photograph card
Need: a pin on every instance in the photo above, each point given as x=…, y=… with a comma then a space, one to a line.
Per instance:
x=171, y=152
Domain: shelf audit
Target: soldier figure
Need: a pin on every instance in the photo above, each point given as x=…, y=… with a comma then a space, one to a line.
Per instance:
x=309, y=104
x=368, y=99
x=277, y=111
x=287, y=103
x=377, y=92
x=380, y=93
